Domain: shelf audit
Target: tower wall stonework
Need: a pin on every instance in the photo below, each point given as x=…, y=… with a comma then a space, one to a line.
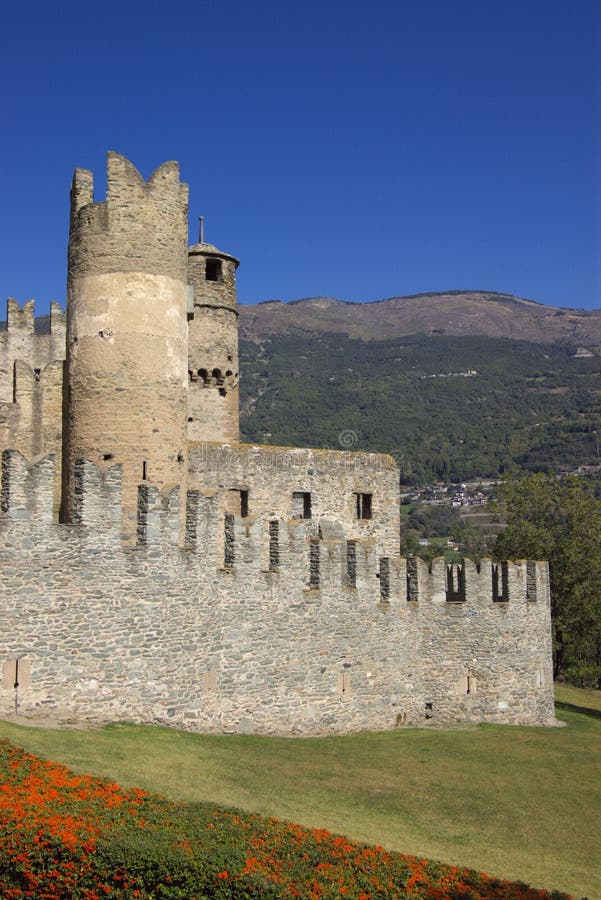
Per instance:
x=198, y=581
x=171, y=635
x=126, y=330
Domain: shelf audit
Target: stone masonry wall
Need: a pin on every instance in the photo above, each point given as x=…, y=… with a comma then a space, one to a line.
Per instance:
x=31, y=378
x=333, y=479
x=283, y=643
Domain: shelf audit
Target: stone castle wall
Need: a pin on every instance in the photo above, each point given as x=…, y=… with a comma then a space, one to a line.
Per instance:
x=276, y=481
x=202, y=582
x=297, y=631
x=31, y=383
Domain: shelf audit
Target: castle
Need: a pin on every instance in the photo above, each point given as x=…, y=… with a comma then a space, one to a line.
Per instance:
x=155, y=569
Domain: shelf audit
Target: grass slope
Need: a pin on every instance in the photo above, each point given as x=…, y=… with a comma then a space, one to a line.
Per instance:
x=514, y=802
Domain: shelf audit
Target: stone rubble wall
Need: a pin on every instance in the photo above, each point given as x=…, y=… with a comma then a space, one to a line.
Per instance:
x=333, y=478
x=31, y=383
x=167, y=633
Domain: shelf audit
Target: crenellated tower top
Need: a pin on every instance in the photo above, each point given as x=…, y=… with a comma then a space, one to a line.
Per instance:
x=127, y=330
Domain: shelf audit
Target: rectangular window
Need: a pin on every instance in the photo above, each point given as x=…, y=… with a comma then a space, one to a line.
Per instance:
x=301, y=505
x=363, y=504
x=314, y=560
x=213, y=270
x=237, y=503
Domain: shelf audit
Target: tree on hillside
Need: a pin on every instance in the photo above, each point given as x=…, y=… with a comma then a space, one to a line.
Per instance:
x=560, y=520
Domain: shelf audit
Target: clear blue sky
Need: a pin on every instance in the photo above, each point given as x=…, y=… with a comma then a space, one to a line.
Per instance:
x=341, y=148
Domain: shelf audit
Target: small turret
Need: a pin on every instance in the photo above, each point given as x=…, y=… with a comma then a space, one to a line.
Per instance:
x=213, y=372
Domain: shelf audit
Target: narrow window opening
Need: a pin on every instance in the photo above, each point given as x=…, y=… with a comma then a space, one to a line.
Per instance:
x=314, y=560
x=37, y=373
x=429, y=710
x=213, y=270
x=470, y=684
x=531, y=581
x=363, y=505
x=412, y=584
x=229, y=556
x=351, y=564
x=384, y=579
x=144, y=471
x=301, y=505
x=222, y=392
x=107, y=456
x=274, y=546
x=500, y=583
x=190, y=419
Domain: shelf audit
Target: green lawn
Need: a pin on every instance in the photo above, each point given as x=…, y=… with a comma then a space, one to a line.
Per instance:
x=513, y=802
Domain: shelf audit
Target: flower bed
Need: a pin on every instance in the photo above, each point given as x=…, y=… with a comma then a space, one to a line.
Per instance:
x=68, y=836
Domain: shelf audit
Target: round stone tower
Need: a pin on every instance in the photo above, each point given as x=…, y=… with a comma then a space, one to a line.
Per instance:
x=213, y=373
x=126, y=369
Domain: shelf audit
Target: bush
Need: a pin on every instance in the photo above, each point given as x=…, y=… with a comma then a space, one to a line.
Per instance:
x=68, y=836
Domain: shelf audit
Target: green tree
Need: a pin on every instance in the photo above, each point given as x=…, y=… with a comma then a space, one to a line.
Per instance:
x=560, y=520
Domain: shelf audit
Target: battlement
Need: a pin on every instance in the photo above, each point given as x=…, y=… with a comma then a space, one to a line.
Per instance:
x=126, y=185
x=261, y=623
x=316, y=555
x=141, y=227
x=21, y=319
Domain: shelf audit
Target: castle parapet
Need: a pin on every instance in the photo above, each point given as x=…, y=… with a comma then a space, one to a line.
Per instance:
x=158, y=516
x=20, y=318
x=27, y=490
x=308, y=555
x=97, y=497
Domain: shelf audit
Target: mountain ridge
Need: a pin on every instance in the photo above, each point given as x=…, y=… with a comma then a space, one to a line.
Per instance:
x=489, y=313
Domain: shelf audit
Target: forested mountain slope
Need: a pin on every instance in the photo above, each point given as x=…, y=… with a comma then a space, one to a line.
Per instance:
x=448, y=407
